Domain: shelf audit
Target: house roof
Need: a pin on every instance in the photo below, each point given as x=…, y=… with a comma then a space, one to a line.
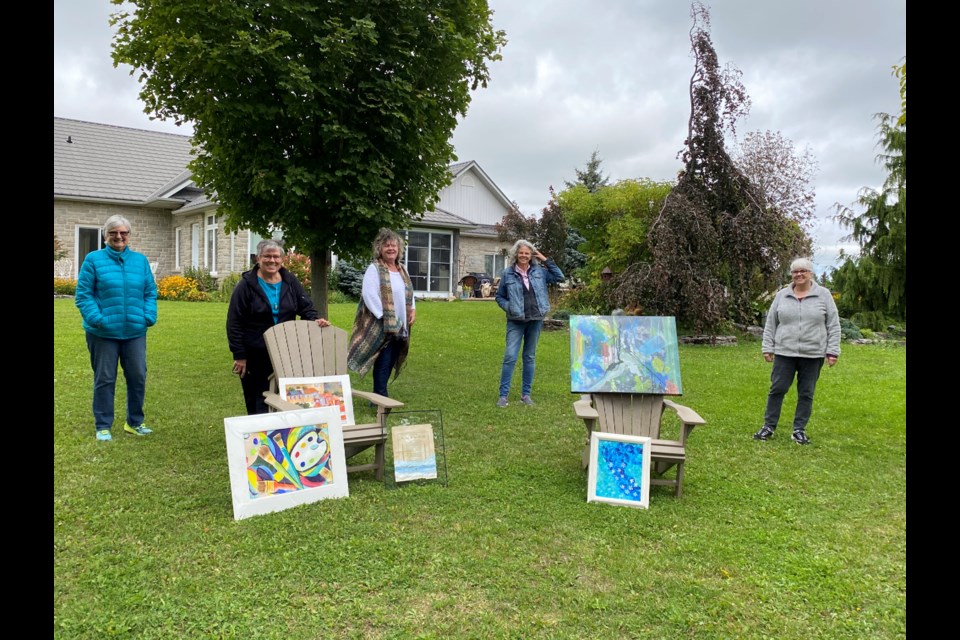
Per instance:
x=442, y=218
x=106, y=162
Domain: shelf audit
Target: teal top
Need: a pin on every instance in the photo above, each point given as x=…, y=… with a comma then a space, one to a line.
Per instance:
x=272, y=292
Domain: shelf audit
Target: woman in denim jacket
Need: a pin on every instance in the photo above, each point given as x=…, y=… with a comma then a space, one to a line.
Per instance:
x=522, y=294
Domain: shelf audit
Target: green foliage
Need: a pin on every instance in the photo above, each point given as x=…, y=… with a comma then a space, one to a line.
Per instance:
x=876, y=279
x=715, y=245
x=58, y=250
x=339, y=297
x=349, y=280
x=849, y=329
x=64, y=287
x=227, y=284
x=202, y=278
x=588, y=300
x=145, y=545
x=324, y=120
x=900, y=71
x=591, y=176
x=876, y=320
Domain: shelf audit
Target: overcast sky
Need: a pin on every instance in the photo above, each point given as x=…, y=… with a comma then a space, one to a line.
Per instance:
x=612, y=76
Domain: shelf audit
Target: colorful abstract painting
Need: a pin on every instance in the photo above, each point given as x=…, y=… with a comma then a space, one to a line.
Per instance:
x=619, y=470
x=324, y=391
x=279, y=460
x=414, y=456
x=624, y=354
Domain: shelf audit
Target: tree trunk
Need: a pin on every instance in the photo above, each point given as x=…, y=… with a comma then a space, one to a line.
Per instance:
x=320, y=260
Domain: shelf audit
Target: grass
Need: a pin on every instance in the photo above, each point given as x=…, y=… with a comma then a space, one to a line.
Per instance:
x=770, y=539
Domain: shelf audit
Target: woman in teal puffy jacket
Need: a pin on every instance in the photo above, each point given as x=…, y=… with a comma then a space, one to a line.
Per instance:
x=117, y=297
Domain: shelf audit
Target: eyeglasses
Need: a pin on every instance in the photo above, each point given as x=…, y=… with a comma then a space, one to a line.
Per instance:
x=262, y=258
x=117, y=234
x=795, y=272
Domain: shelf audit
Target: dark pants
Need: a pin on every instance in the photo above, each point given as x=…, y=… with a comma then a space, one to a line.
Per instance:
x=807, y=372
x=383, y=365
x=105, y=353
x=255, y=382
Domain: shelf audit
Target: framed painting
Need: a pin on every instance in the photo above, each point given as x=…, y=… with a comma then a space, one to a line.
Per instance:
x=284, y=459
x=323, y=391
x=624, y=354
x=619, y=470
x=415, y=454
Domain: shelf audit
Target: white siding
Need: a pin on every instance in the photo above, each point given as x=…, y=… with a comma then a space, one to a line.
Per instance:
x=468, y=197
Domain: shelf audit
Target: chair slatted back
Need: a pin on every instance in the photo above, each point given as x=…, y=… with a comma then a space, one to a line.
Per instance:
x=629, y=414
x=301, y=349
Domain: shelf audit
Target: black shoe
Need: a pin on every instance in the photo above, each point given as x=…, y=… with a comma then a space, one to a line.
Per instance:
x=800, y=437
x=765, y=433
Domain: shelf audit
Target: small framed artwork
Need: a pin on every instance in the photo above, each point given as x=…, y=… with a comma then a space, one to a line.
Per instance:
x=284, y=459
x=619, y=470
x=415, y=454
x=324, y=391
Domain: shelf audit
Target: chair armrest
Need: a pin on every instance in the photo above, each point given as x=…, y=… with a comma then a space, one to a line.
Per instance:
x=585, y=410
x=377, y=399
x=275, y=402
x=688, y=417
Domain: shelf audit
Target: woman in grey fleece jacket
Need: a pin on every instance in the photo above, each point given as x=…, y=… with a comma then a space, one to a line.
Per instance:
x=802, y=329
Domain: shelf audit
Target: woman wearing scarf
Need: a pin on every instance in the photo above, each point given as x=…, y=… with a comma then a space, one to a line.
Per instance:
x=381, y=329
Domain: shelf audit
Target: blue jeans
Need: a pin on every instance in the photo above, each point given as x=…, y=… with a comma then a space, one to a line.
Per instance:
x=807, y=372
x=105, y=353
x=528, y=333
x=382, y=367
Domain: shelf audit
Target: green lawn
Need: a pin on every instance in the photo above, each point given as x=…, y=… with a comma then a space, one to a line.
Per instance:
x=770, y=539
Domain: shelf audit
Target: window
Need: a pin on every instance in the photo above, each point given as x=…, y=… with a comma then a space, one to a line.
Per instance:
x=428, y=261
x=210, y=246
x=494, y=264
x=88, y=239
x=177, y=237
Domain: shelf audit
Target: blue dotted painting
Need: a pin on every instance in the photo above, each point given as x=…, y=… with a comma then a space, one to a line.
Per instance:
x=620, y=470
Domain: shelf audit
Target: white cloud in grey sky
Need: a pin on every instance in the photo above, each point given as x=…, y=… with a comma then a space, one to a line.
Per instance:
x=612, y=76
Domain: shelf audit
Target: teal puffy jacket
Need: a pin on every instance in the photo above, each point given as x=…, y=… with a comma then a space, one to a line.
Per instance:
x=116, y=294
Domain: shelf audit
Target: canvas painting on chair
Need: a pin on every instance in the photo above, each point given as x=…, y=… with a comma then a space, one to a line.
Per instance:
x=323, y=391
x=624, y=354
x=619, y=469
x=283, y=459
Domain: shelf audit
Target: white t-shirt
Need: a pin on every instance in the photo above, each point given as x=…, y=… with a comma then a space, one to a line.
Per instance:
x=371, y=295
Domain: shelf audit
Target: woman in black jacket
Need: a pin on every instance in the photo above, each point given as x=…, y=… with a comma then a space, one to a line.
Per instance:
x=266, y=295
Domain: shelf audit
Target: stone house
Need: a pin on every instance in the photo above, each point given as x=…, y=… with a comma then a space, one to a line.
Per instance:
x=101, y=170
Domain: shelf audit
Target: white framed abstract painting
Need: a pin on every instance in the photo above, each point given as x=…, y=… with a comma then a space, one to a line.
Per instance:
x=284, y=459
x=619, y=469
x=322, y=391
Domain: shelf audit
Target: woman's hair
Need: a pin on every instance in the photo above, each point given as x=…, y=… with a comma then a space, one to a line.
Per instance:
x=115, y=221
x=512, y=251
x=269, y=243
x=803, y=263
x=383, y=237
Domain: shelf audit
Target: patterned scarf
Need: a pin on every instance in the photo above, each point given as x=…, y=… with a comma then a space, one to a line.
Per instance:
x=371, y=334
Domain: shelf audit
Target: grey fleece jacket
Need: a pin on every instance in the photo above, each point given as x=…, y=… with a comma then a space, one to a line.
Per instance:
x=807, y=328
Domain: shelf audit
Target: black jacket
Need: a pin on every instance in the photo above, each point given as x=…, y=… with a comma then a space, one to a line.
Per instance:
x=249, y=314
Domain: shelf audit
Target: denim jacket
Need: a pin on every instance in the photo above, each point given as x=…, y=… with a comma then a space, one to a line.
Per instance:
x=510, y=291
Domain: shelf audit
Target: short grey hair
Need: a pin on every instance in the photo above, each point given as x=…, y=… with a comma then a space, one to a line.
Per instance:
x=802, y=263
x=269, y=243
x=512, y=251
x=383, y=237
x=115, y=221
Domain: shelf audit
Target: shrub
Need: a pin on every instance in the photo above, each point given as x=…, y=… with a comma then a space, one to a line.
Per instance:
x=349, y=280
x=227, y=284
x=338, y=297
x=58, y=250
x=176, y=287
x=875, y=320
x=849, y=330
x=205, y=282
x=867, y=333
x=299, y=265
x=64, y=287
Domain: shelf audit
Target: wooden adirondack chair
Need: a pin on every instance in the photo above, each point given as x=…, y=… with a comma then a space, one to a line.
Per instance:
x=302, y=349
x=640, y=415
